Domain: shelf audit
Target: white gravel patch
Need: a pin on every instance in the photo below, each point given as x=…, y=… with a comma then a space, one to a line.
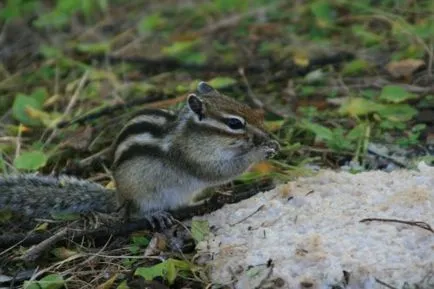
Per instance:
x=306, y=233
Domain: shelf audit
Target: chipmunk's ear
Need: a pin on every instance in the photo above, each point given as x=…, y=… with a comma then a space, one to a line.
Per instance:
x=196, y=105
x=205, y=88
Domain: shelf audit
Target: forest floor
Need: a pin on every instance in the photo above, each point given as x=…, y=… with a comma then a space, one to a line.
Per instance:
x=344, y=85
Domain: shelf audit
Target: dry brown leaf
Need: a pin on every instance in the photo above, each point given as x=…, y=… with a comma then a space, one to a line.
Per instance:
x=263, y=167
x=157, y=244
x=404, y=68
x=300, y=58
x=79, y=140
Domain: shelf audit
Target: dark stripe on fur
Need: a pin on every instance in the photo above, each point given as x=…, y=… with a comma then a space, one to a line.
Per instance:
x=137, y=150
x=139, y=128
x=170, y=116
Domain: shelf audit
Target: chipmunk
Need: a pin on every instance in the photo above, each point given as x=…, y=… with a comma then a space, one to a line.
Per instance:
x=161, y=160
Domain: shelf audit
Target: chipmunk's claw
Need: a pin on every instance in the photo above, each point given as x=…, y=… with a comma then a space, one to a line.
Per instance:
x=160, y=219
x=273, y=148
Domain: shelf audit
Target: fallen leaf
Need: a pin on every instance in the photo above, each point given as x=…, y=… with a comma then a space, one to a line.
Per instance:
x=404, y=68
x=63, y=253
x=199, y=230
x=80, y=140
x=31, y=160
x=157, y=244
x=263, y=167
x=300, y=58
x=395, y=94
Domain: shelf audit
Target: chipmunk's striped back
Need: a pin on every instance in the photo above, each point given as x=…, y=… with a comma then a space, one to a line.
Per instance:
x=148, y=128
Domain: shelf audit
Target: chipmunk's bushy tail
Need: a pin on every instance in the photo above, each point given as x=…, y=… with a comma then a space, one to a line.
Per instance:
x=41, y=196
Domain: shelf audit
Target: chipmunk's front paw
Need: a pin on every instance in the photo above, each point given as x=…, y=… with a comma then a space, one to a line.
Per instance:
x=271, y=149
x=159, y=219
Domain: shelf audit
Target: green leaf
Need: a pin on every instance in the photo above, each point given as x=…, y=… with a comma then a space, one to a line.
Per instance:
x=366, y=37
x=31, y=160
x=52, y=281
x=323, y=12
x=100, y=47
x=357, y=132
x=358, y=106
x=395, y=94
x=140, y=241
x=199, y=230
x=221, y=82
x=20, y=109
x=40, y=95
x=55, y=19
x=50, y=51
x=149, y=23
x=194, y=58
x=168, y=270
x=355, y=67
x=149, y=273
x=123, y=285
x=320, y=131
x=397, y=112
x=179, y=48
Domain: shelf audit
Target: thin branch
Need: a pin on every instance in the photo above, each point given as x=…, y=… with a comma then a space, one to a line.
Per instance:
x=419, y=224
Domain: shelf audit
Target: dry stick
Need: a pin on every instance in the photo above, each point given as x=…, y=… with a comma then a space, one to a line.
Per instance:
x=253, y=100
x=36, y=251
x=70, y=104
x=419, y=224
x=384, y=284
x=387, y=157
x=18, y=143
x=233, y=20
x=108, y=111
x=248, y=216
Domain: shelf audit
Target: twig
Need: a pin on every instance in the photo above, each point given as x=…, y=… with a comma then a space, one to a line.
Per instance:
x=252, y=99
x=390, y=158
x=36, y=251
x=248, y=216
x=18, y=141
x=108, y=111
x=70, y=105
x=384, y=284
x=419, y=224
x=235, y=19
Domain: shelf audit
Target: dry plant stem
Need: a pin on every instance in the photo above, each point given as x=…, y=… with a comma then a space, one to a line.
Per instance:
x=18, y=142
x=253, y=101
x=248, y=216
x=419, y=224
x=235, y=19
x=70, y=105
x=384, y=284
x=108, y=111
x=389, y=158
x=36, y=251
x=87, y=161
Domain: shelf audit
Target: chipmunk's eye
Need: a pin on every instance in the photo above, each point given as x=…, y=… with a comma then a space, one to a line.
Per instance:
x=235, y=123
